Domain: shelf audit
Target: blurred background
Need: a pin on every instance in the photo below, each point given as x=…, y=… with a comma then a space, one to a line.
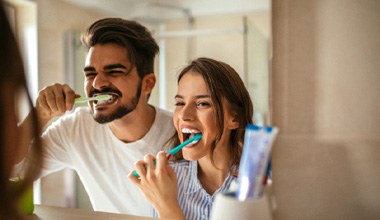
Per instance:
x=311, y=67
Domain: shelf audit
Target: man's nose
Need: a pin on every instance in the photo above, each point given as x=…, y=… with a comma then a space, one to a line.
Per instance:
x=100, y=81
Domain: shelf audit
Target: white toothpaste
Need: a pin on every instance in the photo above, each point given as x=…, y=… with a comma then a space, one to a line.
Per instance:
x=254, y=161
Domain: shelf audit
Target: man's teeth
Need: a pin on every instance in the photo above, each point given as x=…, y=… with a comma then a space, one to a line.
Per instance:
x=110, y=100
x=105, y=101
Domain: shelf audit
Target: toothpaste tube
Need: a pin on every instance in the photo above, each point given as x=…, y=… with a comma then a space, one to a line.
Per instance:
x=254, y=161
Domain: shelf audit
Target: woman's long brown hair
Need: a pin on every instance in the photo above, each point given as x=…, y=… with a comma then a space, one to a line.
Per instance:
x=12, y=73
x=224, y=83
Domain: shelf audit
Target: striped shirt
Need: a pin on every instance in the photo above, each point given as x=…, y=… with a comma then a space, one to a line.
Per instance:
x=195, y=202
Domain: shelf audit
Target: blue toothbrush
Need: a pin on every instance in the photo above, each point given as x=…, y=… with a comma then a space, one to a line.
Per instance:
x=175, y=150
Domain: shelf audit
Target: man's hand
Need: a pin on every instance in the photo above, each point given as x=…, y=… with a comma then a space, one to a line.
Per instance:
x=54, y=100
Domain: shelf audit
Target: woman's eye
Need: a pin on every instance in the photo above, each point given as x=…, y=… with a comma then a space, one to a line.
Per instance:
x=203, y=104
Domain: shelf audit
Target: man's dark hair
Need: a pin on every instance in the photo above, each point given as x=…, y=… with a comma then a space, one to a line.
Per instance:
x=140, y=45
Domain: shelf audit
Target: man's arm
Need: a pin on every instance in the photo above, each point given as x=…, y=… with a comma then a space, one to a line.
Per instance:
x=52, y=101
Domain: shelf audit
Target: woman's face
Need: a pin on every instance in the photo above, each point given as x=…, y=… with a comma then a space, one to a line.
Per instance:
x=195, y=113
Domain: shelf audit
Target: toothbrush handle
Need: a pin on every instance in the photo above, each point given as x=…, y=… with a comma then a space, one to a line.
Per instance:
x=136, y=174
x=176, y=149
x=80, y=100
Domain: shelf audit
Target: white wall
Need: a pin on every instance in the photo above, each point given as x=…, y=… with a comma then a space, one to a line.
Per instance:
x=210, y=37
x=326, y=76
x=55, y=18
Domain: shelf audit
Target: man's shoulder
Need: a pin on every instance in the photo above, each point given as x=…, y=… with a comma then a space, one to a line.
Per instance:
x=164, y=113
x=164, y=117
x=79, y=115
x=82, y=110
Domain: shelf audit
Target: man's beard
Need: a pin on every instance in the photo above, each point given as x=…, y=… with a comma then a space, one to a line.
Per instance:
x=121, y=111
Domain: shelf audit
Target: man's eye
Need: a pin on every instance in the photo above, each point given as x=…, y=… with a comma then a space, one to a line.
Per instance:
x=115, y=72
x=90, y=75
x=179, y=104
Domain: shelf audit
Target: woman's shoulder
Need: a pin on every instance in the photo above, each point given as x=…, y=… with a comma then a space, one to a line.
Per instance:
x=180, y=166
x=179, y=163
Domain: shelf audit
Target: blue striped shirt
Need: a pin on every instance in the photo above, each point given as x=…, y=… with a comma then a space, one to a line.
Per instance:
x=195, y=202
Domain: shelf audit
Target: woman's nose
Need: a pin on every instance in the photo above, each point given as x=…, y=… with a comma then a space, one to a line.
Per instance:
x=187, y=113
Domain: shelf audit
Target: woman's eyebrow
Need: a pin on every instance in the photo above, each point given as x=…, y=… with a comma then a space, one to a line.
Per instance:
x=202, y=96
x=197, y=96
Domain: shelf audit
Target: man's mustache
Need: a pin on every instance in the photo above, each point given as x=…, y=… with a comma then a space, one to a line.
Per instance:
x=104, y=90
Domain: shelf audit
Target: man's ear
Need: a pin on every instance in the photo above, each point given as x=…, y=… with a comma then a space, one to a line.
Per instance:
x=148, y=83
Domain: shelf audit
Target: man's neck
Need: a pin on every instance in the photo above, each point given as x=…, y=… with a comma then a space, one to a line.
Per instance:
x=134, y=125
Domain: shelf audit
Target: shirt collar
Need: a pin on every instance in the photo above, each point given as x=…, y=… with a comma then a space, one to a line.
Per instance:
x=195, y=185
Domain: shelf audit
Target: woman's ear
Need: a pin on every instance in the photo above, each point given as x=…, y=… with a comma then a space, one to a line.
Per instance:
x=149, y=81
x=233, y=121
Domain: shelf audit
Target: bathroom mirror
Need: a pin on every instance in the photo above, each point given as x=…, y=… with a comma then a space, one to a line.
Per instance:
x=242, y=40
x=236, y=32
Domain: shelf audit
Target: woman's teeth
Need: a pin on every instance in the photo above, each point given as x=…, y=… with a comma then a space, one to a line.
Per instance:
x=189, y=133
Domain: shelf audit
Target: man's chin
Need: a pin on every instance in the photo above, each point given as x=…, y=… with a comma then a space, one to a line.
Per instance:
x=103, y=119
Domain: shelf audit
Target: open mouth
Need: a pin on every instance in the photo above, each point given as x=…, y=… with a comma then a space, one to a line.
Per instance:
x=111, y=100
x=189, y=133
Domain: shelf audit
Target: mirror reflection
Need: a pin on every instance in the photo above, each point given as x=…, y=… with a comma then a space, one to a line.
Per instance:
x=236, y=32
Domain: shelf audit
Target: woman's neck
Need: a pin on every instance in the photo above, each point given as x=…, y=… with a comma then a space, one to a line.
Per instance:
x=212, y=176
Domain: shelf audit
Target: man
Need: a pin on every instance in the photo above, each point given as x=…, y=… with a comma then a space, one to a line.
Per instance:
x=102, y=141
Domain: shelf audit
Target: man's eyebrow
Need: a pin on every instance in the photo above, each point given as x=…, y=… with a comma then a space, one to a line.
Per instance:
x=88, y=68
x=108, y=67
x=115, y=66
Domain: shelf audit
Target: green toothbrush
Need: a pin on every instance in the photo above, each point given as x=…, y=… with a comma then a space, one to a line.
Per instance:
x=94, y=98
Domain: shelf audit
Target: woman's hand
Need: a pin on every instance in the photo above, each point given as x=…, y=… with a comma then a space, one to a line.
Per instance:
x=158, y=182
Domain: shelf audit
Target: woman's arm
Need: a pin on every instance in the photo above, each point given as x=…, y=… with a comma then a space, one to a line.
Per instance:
x=158, y=182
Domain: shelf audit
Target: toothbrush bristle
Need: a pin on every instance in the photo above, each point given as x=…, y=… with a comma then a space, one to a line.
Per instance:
x=103, y=97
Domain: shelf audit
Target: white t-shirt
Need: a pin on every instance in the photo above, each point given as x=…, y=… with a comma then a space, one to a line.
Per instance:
x=101, y=160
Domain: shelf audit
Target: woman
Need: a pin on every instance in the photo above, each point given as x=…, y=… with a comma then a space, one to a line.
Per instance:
x=13, y=87
x=211, y=100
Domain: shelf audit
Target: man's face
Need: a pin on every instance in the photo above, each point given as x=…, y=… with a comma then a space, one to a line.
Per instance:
x=108, y=71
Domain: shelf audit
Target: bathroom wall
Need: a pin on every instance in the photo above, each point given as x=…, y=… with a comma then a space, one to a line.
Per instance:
x=54, y=18
x=326, y=77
